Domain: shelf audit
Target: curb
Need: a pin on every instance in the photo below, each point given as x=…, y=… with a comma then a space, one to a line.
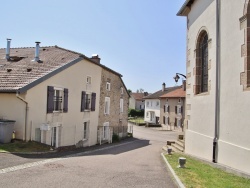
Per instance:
x=178, y=181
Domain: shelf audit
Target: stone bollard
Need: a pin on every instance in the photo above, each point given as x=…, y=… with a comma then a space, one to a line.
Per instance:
x=182, y=162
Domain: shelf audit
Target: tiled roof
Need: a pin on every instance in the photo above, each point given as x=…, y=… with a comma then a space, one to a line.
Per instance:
x=159, y=93
x=177, y=93
x=21, y=72
x=138, y=96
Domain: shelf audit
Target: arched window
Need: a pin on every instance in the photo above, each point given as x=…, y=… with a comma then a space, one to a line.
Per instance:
x=201, y=67
x=204, y=62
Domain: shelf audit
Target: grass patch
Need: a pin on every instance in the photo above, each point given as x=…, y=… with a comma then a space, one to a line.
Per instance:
x=138, y=120
x=21, y=146
x=201, y=175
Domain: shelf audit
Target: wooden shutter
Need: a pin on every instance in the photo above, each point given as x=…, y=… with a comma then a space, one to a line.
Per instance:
x=83, y=101
x=168, y=108
x=50, y=99
x=176, y=109
x=65, y=100
x=175, y=122
x=181, y=109
x=164, y=110
x=163, y=119
x=93, y=100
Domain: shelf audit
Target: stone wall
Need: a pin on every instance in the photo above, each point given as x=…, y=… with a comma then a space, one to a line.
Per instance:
x=115, y=117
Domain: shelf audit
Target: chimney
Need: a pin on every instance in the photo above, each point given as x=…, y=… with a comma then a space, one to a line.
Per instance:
x=37, y=52
x=8, y=49
x=163, y=86
x=184, y=85
x=96, y=58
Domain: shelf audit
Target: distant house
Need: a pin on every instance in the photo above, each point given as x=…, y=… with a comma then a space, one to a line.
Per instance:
x=218, y=81
x=54, y=94
x=136, y=101
x=152, y=110
x=172, y=108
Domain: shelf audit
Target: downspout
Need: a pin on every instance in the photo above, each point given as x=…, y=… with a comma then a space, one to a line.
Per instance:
x=26, y=114
x=217, y=84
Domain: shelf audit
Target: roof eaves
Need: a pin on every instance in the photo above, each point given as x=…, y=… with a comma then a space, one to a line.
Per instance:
x=8, y=91
x=185, y=8
x=49, y=75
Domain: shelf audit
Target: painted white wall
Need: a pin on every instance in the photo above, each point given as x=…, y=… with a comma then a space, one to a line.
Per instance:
x=234, y=139
x=152, y=107
x=132, y=102
x=201, y=114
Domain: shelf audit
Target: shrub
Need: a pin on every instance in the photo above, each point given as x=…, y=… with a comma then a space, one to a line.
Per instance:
x=133, y=113
x=115, y=138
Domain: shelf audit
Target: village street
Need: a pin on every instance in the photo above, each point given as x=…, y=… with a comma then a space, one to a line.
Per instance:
x=132, y=163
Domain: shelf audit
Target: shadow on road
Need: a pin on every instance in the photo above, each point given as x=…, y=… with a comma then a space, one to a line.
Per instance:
x=105, y=149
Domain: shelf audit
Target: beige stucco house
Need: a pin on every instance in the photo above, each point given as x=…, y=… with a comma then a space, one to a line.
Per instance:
x=218, y=81
x=172, y=109
x=52, y=93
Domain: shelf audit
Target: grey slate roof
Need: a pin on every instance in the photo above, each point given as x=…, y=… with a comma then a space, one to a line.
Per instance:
x=21, y=73
x=159, y=93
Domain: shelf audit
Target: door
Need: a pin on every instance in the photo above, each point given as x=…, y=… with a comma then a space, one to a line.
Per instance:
x=157, y=120
x=106, y=131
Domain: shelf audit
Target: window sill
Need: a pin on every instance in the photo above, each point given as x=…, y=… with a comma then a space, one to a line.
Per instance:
x=57, y=112
x=202, y=94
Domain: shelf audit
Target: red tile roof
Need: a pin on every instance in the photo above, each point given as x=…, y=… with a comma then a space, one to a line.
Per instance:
x=177, y=93
x=138, y=96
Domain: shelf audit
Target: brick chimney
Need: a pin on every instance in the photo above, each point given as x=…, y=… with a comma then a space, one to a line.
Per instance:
x=163, y=86
x=96, y=58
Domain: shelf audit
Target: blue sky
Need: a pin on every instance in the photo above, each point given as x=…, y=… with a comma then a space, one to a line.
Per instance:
x=143, y=40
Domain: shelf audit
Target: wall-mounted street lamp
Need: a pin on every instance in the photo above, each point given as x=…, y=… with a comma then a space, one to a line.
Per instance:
x=177, y=77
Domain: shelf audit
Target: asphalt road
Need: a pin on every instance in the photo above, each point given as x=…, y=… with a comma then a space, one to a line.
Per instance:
x=133, y=163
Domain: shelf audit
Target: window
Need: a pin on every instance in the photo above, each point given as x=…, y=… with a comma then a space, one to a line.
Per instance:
x=88, y=80
x=108, y=86
x=85, y=130
x=179, y=100
x=147, y=104
x=88, y=101
x=201, y=69
x=121, y=105
x=106, y=105
x=122, y=90
x=157, y=103
x=57, y=99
